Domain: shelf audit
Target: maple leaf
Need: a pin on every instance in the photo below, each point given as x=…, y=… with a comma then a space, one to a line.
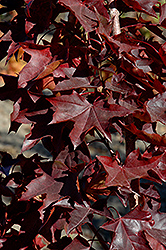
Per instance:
x=79, y=213
x=128, y=229
x=85, y=115
x=162, y=16
x=144, y=135
x=143, y=6
x=158, y=231
x=86, y=16
x=78, y=243
x=162, y=53
x=40, y=57
x=156, y=107
x=130, y=73
x=79, y=216
x=118, y=85
x=46, y=184
x=39, y=12
x=161, y=168
x=135, y=166
x=154, y=244
x=149, y=191
x=99, y=5
x=73, y=82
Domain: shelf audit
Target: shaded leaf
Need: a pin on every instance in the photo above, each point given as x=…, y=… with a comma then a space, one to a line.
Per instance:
x=46, y=184
x=86, y=17
x=73, y=82
x=143, y=6
x=78, y=243
x=162, y=16
x=152, y=137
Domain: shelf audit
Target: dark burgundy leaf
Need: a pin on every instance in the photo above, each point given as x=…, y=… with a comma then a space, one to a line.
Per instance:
x=163, y=17
x=143, y=6
x=46, y=184
x=73, y=82
x=86, y=16
x=128, y=229
x=156, y=107
x=39, y=12
x=154, y=244
x=70, y=187
x=10, y=89
x=99, y=5
x=162, y=53
x=149, y=191
x=118, y=85
x=135, y=166
x=40, y=57
x=79, y=214
x=78, y=243
x=85, y=115
x=148, y=136
x=80, y=86
x=4, y=45
x=161, y=168
x=158, y=230
x=157, y=31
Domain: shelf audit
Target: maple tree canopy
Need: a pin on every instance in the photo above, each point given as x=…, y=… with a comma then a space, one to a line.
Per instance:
x=92, y=69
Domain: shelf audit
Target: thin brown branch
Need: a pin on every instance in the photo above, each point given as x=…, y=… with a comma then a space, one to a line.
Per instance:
x=115, y=18
x=98, y=235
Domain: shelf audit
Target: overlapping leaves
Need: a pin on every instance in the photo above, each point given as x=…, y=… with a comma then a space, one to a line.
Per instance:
x=81, y=85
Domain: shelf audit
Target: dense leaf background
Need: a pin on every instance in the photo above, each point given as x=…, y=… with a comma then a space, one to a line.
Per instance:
x=80, y=86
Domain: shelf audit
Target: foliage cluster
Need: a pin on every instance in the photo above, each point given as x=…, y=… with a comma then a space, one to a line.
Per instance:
x=89, y=79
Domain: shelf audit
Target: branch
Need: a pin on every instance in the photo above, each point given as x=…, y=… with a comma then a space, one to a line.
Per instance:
x=115, y=18
x=100, y=238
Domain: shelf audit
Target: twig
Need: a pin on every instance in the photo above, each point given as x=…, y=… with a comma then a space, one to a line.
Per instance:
x=106, y=143
x=115, y=18
x=100, y=238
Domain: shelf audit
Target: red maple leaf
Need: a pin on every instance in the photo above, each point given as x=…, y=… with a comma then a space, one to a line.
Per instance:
x=46, y=184
x=128, y=229
x=143, y=6
x=85, y=115
x=134, y=167
x=40, y=57
x=156, y=107
x=86, y=16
